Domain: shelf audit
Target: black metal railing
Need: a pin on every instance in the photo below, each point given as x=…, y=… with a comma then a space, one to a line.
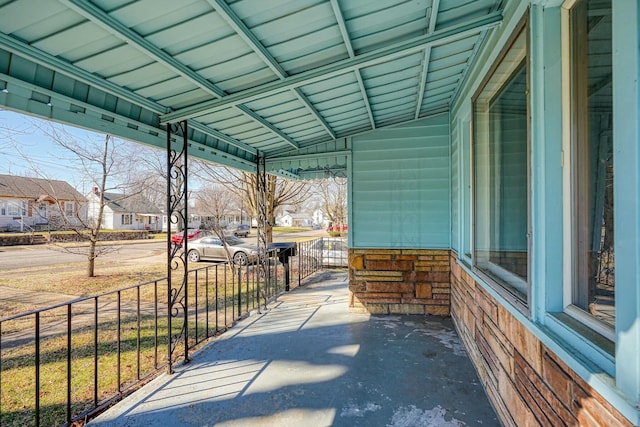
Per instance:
x=63, y=364
x=327, y=252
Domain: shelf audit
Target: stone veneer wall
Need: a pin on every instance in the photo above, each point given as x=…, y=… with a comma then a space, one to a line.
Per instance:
x=399, y=281
x=526, y=382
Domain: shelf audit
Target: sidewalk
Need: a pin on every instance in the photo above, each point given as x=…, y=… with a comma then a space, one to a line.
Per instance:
x=307, y=361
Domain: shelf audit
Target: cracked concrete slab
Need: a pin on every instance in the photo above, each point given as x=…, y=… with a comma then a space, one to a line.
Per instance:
x=308, y=361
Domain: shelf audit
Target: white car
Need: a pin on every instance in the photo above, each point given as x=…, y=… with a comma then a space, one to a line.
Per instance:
x=334, y=252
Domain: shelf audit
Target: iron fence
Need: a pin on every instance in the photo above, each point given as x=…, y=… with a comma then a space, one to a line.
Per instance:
x=60, y=365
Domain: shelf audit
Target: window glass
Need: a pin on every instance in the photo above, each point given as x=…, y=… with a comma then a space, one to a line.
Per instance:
x=126, y=219
x=232, y=240
x=501, y=141
x=593, y=288
x=68, y=208
x=13, y=208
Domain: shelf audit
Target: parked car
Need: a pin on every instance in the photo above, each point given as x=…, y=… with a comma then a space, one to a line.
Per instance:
x=337, y=229
x=211, y=248
x=192, y=233
x=330, y=252
x=241, y=230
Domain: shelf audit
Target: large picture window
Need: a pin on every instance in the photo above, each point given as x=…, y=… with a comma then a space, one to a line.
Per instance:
x=589, y=102
x=501, y=171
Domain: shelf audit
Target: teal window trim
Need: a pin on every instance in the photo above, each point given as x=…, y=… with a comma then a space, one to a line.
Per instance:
x=626, y=96
x=465, y=193
x=613, y=374
x=501, y=229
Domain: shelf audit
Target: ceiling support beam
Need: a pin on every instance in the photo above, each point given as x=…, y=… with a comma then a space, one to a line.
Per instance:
x=445, y=35
x=433, y=18
x=221, y=136
x=347, y=41
x=309, y=156
x=225, y=11
x=39, y=57
x=98, y=16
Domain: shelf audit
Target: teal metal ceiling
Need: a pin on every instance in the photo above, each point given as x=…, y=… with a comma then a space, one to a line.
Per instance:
x=291, y=79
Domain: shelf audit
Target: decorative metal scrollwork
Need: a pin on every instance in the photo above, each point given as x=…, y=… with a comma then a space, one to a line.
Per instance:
x=177, y=219
x=261, y=199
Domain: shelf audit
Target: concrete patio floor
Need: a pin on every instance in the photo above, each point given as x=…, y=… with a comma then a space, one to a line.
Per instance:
x=307, y=361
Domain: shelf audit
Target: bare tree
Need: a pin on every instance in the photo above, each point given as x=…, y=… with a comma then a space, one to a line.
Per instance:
x=215, y=201
x=151, y=179
x=151, y=175
x=7, y=138
x=107, y=165
x=333, y=192
x=278, y=192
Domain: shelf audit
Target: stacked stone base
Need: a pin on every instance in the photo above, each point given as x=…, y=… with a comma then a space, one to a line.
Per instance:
x=526, y=382
x=399, y=281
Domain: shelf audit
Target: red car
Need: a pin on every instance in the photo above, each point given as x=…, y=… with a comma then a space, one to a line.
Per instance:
x=192, y=233
x=338, y=228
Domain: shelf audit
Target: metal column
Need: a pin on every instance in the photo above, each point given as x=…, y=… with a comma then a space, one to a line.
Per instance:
x=177, y=266
x=261, y=202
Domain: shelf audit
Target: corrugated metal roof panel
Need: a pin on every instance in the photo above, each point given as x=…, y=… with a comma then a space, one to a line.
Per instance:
x=249, y=74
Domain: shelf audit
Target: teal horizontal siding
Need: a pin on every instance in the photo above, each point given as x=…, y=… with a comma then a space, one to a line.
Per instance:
x=401, y=189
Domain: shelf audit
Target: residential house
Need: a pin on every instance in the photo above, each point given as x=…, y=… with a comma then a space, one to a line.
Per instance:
x=35, y=203
x=320, y=218
x=125, y=211
x=295, y=220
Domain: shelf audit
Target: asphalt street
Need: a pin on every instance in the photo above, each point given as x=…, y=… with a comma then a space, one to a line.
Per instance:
x=15, y=257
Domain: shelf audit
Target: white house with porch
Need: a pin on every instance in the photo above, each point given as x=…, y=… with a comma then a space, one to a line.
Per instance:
x=125, y=212
x=295, y=220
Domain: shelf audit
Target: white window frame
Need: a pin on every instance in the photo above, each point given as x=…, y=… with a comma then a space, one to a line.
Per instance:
x=13, y=208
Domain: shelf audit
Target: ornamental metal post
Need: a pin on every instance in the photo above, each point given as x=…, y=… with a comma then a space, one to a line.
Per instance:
x=177, y=265
x=261, y=199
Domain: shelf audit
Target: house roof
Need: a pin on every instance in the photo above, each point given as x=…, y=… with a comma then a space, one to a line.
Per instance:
x=134, y=203
x=37, y=188
x=285, y=80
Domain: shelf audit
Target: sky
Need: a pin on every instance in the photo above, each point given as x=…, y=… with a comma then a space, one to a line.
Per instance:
x=35, y=150
x=27, y=150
